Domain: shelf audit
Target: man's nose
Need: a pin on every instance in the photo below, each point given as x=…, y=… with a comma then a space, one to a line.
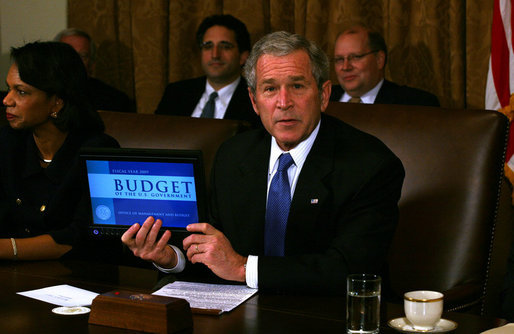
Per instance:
x=347, y=65
x=284, y=98
x=215, y=51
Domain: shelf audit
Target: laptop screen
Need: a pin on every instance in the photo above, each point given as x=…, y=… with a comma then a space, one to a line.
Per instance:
x=128, y=185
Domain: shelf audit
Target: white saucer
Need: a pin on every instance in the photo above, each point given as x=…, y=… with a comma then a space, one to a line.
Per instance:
x=65, y=310
x=404, y=325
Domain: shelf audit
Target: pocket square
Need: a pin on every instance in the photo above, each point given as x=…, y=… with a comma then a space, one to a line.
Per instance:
x=314, y=201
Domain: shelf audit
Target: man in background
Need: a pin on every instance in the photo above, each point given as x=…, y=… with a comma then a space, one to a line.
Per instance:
x=360, y=56
x=103, y=96
x=222, y=93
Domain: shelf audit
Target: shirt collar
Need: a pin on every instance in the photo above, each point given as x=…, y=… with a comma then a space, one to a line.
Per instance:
x=298, y=153
x=225, y=93
x=368, y=97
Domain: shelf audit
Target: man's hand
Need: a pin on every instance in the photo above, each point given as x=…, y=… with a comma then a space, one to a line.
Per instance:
x=141, y=240
x=214, y=250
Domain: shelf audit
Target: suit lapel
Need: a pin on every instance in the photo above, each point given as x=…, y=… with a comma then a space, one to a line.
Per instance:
x=251, y=202
x=386, y=94
x=337, y=93
x=184, y=97
x=195, y=94
x=237, y=101
x=312, y=190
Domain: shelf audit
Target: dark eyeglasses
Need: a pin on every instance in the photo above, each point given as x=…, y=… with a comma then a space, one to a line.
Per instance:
x=224, y=46
x=352, y=58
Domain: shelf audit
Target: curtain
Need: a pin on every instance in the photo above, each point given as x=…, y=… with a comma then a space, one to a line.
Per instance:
x=441, y=46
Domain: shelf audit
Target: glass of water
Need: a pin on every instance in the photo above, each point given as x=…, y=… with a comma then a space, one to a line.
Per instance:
x=363, y=303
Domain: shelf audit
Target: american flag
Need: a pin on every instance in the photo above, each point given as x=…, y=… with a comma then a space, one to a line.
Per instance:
x=500, y=79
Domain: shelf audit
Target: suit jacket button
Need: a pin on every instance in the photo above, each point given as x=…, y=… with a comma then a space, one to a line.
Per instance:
x=18, y=201
x=42, y=208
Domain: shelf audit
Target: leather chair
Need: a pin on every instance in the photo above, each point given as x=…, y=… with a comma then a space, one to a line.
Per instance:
x=450, y=198
x=171, y=132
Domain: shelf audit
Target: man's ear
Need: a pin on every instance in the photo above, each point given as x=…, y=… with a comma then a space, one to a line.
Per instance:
x=252, y=98
x=381, y=60
x=243, y=57
x=326, y=89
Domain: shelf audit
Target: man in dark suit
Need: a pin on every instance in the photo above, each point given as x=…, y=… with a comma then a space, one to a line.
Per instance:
x=339, y=187
x=360, y=56
x=225, y=44
x=103, y=96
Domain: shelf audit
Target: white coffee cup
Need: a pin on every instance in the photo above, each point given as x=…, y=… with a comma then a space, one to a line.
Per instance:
x=423, y=308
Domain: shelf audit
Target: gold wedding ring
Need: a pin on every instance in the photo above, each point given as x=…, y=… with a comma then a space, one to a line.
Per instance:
x=197, y=249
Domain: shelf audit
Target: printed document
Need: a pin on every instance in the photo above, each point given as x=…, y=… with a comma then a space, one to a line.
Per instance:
x=216, y=297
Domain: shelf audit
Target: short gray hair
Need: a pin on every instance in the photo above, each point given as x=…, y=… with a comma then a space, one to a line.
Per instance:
x=81, y=33
x=282, y=43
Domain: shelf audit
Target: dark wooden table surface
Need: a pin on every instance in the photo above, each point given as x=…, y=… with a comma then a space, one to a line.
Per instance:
x=263, y=313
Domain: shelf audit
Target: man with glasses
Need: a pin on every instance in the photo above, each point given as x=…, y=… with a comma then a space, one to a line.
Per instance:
x=222, y=93
x=360, y=56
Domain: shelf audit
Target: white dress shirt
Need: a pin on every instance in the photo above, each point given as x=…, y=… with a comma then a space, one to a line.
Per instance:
x=222, y=101
x=368, y=97
x=181, y=262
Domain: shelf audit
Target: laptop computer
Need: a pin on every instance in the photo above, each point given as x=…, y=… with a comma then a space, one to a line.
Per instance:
x=128, y=185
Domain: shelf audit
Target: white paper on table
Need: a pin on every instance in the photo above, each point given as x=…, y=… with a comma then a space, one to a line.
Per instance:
x=507, y=329
x=208, y=296
x=62, y=295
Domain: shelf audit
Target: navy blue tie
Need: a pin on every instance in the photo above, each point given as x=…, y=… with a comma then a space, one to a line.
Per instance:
x=277, y=210
x=210, y=106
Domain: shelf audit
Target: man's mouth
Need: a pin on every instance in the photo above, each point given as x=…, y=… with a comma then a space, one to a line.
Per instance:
x=349, y=77
x=287, y=121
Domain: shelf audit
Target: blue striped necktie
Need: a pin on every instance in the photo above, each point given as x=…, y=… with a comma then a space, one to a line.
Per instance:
x=277, y=210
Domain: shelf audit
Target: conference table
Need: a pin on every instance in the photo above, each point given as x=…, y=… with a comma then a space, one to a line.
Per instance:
x=262, y=313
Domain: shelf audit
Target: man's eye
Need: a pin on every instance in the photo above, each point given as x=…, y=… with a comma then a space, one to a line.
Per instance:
x=206, y=46
x=298, y=86
x=21, y=92
x=225, y=46
x=269, y=89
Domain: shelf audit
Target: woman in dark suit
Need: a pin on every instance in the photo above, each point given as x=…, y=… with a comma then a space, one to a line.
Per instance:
x=43, y=204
